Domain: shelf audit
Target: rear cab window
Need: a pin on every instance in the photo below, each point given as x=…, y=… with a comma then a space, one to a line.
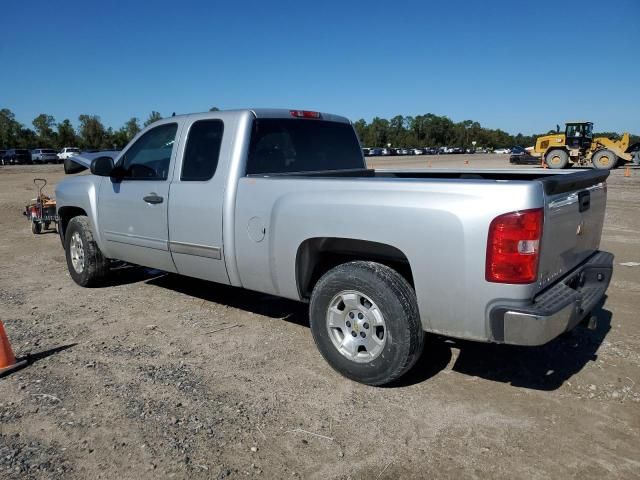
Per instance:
x=283, y=145
x=200, y=159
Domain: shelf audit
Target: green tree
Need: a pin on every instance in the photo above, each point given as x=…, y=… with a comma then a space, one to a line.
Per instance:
x=44, y=125
x=214, y=109
x=361, y=128
x=66, y=134
x=9, y=129
x=131, y=128
x=153, y=117
x=26, y=138
x=92, y=132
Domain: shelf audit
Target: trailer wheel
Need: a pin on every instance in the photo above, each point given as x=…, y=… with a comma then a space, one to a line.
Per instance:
x=365, y=322
x=557, y=159
x=87, y=265
x=36, y=228
x=604, y=159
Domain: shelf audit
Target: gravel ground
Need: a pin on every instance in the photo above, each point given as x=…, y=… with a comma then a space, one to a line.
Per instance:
x=157, y=376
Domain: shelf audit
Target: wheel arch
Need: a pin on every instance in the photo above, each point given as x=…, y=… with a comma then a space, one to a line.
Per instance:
x=65, y=214
x=316, y=256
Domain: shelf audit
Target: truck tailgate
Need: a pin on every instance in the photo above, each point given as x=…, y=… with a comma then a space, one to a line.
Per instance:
x=574, y=217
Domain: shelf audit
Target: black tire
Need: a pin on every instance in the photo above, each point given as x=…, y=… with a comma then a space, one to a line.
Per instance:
x=604, y=159
x=557, y=159
x=95, y=267
x=396, y=301
x=36, y=228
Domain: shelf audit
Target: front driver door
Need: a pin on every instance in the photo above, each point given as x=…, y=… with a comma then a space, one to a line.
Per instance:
x=132, y=210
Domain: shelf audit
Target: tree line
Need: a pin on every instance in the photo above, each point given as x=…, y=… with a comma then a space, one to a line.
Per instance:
x=431, y=130
x=427, y=130
x=46, y=132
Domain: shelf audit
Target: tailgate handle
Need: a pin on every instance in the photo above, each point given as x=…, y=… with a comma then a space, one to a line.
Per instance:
x=584, y=201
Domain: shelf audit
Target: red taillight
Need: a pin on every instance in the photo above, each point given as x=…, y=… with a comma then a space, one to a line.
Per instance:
x=304, y=114
x=513, y=247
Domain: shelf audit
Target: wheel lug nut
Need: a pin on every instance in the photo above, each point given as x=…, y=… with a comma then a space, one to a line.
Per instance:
x=360, y=316
x=365, y=325
x=354, y=334
x=362, y=334
x=348, y=324
x=351, y=315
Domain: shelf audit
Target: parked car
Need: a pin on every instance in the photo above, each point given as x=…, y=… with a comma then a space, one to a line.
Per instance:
x=16, y=156
x=375, y=152
x=44, y=155
x=365, y=152
x=524, y=159
x=68, y=152
x=517, y=150
x=280, y=213
x=502, y=151
x=417, y=151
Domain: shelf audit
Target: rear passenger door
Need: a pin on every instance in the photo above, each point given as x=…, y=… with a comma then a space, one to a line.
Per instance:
x=196, y=202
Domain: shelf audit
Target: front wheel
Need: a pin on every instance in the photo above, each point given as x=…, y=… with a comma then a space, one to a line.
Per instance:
x=365, y=322
x=557, y=159
x=36, y=227
x=604, y=159
x=87, y=265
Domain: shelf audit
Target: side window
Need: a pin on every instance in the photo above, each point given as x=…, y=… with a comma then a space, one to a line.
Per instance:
x=202, y=151
x=149, y=157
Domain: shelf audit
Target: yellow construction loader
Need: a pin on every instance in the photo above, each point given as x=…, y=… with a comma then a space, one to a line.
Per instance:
x=577, y=146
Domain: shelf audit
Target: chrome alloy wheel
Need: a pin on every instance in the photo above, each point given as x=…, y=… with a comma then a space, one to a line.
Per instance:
x=77, y=252
x=356, y=326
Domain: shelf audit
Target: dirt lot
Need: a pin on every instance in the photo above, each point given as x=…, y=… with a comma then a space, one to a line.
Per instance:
x=142, y=379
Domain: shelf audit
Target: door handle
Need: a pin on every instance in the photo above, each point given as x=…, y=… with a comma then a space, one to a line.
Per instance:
x=153, y=198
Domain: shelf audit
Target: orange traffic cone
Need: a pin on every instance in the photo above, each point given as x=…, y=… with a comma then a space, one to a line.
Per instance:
x=429, y=164
x=7, y=358
x=466, y=162
x=627, y=171
x=544, y=164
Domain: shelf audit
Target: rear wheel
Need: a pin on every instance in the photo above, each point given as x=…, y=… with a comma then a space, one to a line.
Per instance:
x=36, y=227
x=87, y=265
x=604, y=159
x=365, y=322
x=557, y=159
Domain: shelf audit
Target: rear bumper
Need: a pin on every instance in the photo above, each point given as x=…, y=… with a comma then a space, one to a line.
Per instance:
x=556, y=310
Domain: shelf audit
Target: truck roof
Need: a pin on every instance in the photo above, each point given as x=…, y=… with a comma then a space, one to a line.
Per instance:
x=261, y=113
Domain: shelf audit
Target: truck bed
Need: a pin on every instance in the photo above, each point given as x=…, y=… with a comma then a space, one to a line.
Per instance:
x=553, y=181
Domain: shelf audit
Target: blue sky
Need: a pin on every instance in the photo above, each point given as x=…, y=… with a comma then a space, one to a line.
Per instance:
x=517, y=65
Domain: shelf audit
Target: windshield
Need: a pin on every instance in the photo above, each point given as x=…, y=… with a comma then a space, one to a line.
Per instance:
x=579, y=130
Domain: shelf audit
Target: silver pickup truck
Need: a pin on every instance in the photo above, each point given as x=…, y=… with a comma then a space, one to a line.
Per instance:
x=281, y=202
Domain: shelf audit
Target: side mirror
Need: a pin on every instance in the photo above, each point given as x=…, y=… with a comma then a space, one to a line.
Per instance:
x=102, y=166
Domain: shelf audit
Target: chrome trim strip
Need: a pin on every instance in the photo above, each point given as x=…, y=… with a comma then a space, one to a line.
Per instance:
x=195, y=249
x=136, y=240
